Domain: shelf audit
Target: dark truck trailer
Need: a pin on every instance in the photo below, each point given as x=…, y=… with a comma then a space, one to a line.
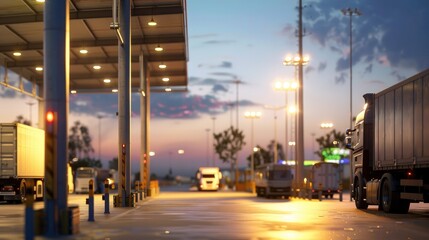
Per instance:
x=390, y=147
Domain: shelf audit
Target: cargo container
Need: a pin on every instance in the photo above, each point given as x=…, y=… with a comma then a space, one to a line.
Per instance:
x=22, y=161
x=390, y=147
x=325, y=179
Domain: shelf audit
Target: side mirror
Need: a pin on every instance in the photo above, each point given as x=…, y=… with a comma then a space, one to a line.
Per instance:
x=349, y=131
x=349, y=143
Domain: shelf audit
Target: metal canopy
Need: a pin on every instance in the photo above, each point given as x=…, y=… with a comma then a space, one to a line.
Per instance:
x=21, y=30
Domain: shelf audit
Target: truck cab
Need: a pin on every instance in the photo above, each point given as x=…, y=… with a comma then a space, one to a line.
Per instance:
x=208, y=178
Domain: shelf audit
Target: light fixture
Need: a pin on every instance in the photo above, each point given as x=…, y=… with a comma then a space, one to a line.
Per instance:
x=73, y=91
x=17, y=54
x=83, y=51
x=96, y=67
x=106, y=80
x=40, y=1
x=159, y=48
x=152, y=22
x=162, y=66
x=39, y=69
x=168, y=89
x=165, y=79
x=114, y=90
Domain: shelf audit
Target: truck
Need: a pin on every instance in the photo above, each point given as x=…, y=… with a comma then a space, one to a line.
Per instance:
x=390, y=147
x=273, y=180
x=208, y=178
x=22, y=161
x=97, y=175
x=325, y=179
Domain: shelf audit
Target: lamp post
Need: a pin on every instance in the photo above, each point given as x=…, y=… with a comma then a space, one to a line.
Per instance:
x=350, y=12
x=213, y=131
x=286, y=86
x=99, y=116
x=31, y=112
x=275, y=108
x=252, y=116
x=207, y=147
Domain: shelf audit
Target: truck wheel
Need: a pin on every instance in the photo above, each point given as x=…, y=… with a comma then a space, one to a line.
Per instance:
x=359, y=194
x=390, y=199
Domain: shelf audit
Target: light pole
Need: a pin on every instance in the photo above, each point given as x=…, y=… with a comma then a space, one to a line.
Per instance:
x=275, y=108
x=99, y=116
x=213, y=131
x=286, y=86
x=350, y=12
x=31, y=112
x=207, y=148
x=252, y=116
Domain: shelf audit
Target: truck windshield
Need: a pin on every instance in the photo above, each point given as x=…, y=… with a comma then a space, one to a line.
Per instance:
x=279, y=175
x=208, y=176
x=84, y=173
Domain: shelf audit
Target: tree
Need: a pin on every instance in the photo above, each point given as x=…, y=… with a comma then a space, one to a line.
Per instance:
x=280, y=152
x=86, y=162
x=79, y=144
x=113, y=164
x=22, y=120
x=227, y=144
x=260, y=157
x=329, y=142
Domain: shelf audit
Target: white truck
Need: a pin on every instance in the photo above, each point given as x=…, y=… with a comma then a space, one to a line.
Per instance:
x=325, y=179
x=22, y=161
x=273, y=180
x=208, y=178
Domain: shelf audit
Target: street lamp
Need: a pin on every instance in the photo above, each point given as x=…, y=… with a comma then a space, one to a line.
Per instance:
x=252, y=116
x=350, y=12
x=99, y=116
x=326, y=125
x=275, y=108
x=207, y=147
x=286, y=86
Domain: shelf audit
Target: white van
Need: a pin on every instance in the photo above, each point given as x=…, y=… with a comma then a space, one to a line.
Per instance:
x=208, y=178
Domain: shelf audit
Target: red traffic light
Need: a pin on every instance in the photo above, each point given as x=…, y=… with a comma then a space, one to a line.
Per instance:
x=50, y=117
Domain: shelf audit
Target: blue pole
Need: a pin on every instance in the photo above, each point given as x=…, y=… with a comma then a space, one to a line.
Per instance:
x=91, y=201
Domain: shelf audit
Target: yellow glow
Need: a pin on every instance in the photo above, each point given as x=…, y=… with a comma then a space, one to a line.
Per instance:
x=114, y=90
x=83, y=51
x=165, y=79
x=73, y=91
x=326, y=125
x=96, y=67
x=40, y=1
x=180, y=151
x=39, y=69
x=159, y=48
x=168, y=89
x=252, y=114
x=17, y=54
x=162, y=66
x=106, y=80
x=293, y=109
x=151, y=154
x=151, y=22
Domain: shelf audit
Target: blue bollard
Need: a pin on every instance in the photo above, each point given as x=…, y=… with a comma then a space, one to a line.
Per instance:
x=106, y=197
x=90, y=201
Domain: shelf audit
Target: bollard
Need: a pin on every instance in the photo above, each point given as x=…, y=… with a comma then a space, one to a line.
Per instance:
x=320, y=192
x=341, y=192
x=29, y=214
x=136, y=187
x=141, y=190
x=106, y=197
x=90, y=201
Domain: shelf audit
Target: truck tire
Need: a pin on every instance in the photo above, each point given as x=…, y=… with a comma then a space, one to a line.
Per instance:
x=359, y=193
x=390, y=198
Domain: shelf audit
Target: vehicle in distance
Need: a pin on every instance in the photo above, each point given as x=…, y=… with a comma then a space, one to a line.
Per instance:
x=208, y=178
x=325, y=179
x=22, y=159
x=273, y=180
x=390, y=150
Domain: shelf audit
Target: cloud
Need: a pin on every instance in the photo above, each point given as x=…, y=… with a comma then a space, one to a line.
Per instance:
x=322, y=66
x=219, y=88
x=223, y=64
x=378, y=34
x=217, y=42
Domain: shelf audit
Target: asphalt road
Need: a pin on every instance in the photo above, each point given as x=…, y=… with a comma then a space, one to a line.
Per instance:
x=182, y=213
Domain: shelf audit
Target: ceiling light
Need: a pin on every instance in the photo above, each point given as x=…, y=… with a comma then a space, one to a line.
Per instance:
x=168, y=89
x=83, y=51
x=17, y=54
x=97, y=67
x=114, y=90
x=40, y=1
x=106, y=80
x=151, y=22
x=165, y=79
x=162, y=66
x=39, y=69
x=73, y=91
x=159, y=48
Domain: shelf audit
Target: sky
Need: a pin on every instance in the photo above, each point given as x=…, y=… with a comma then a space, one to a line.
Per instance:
x=247, y=40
